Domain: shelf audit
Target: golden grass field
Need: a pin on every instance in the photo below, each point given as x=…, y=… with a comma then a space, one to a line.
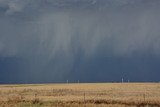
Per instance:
x=81, y=95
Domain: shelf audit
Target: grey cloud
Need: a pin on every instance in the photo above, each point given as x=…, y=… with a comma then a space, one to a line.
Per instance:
x=99, y=26
x=53, y=37
x=13, y=5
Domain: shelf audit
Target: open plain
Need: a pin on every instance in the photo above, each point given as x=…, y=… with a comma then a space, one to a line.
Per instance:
x=81, y=95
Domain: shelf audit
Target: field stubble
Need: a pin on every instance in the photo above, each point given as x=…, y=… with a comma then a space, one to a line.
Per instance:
x=81, y=95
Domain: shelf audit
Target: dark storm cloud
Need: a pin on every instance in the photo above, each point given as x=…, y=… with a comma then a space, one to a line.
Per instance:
x=87, y=40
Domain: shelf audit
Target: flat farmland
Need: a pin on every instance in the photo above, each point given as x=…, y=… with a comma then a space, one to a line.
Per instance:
x=81, y=95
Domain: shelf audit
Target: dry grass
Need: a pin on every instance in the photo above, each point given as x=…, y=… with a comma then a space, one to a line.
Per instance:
x=81, y=95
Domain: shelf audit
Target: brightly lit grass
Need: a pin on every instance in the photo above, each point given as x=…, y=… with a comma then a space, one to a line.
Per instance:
x=77, y=95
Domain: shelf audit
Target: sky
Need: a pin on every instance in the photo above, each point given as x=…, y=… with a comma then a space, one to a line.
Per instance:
x=50, y=41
